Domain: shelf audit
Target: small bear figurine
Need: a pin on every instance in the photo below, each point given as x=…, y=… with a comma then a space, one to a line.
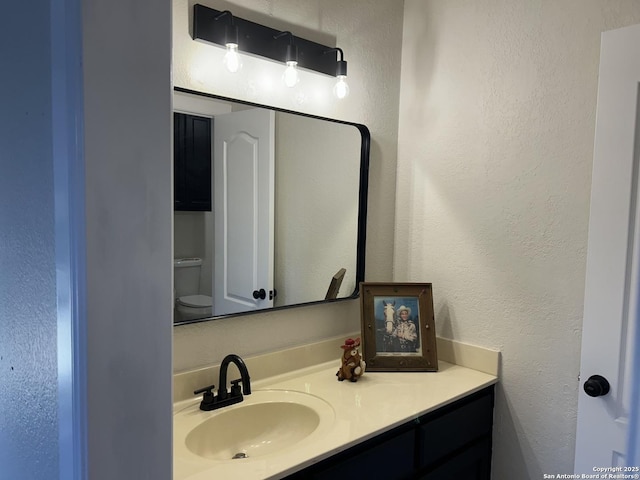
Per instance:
x=352, y=364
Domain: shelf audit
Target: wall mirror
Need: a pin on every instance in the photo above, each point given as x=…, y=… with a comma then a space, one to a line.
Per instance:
x=269, y=207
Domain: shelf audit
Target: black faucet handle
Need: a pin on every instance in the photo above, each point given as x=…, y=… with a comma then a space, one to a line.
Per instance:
x=236, y=391
x=208, y=399
x=205, y=390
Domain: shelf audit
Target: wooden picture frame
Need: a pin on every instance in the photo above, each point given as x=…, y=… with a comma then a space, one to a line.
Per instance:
x=398, y=327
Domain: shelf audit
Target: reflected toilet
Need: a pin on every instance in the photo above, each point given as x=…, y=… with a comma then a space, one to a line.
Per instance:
x=189, y=303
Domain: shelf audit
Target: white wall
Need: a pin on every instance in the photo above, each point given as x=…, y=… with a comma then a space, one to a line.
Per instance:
x=494, y=167
x=316, y=199
x=127, y=117
x=369, y=32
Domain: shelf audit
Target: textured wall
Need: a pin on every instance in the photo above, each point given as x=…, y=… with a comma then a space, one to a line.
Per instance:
x=28, y=368
x=369, y=32
x=494, y=167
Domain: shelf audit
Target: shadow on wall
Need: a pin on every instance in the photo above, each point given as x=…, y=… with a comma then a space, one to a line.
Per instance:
x=422, y=66
x=510, y=440
x=444, y=327
x=509, y=437
x=380, y=218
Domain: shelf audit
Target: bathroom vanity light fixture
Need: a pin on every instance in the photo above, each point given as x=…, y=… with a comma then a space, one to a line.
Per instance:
x=232, y=59
x=290, y=75
x=255, y=39
x=341, y=88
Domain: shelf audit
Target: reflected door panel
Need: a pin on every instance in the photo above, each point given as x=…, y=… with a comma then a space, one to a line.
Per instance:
x=243, y=210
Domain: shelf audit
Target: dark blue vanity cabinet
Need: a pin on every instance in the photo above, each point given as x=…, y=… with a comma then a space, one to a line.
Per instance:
x=191, y=163
x=451, y=443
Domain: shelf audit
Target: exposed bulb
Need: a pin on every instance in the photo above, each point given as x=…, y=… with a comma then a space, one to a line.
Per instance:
x=341, y=88
x=290, y=75
x=232, y=59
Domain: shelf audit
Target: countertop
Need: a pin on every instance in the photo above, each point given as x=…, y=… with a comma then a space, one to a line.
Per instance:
x=377, y=402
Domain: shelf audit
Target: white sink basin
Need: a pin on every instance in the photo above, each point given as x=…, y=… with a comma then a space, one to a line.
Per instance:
x=266, y=422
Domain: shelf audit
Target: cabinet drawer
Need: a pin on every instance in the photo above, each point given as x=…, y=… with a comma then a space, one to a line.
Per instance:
x=448, y=432
x=473, y=463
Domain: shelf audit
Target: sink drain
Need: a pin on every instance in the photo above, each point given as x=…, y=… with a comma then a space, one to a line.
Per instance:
x=239, y=455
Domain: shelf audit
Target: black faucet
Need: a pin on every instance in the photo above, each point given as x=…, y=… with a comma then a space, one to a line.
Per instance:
x=224, y=398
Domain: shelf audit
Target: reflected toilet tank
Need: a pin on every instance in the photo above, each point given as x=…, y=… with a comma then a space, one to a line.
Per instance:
x=186, y=276
x=188, y=301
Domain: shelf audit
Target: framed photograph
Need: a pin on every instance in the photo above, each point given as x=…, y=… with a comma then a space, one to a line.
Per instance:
x=398, y=327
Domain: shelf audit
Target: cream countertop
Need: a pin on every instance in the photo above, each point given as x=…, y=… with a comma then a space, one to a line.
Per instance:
x=377, y=402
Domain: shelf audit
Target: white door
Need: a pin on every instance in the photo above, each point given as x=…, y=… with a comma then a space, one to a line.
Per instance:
x=243, y=172
x=612, y=259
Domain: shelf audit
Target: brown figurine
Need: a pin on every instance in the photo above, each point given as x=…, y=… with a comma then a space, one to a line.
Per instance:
x=352, y=364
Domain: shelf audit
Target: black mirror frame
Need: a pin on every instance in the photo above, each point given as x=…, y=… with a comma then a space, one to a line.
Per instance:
x=365, y=150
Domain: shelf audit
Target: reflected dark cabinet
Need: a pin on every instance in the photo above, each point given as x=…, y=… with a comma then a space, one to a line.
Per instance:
x=191, y=163
x=453, y=442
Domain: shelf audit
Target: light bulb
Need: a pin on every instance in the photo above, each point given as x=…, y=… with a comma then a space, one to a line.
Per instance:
x=232, y=59
x=290, y=75
x=341, y=88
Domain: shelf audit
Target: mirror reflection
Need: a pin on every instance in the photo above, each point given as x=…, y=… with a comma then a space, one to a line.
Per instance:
x=269, y=207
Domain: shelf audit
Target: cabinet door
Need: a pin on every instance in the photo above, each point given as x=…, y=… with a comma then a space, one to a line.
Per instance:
x=454, y=427
x=389, y=460
x=192, y=162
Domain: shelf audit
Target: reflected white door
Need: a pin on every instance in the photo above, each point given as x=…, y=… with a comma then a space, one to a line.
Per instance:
x=612, y=259
x=243, y=172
